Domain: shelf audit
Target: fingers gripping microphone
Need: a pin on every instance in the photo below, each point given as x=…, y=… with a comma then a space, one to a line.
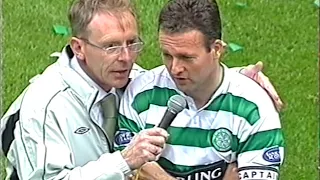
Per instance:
x=176, y=104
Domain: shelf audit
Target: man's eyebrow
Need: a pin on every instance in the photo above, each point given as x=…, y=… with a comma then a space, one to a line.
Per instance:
x=112, y=41
x=134, y=38
x=164, y=51
x=105, y=43
x=185, y=55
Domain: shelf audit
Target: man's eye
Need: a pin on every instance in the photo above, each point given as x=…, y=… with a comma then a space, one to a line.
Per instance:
x=166, y=56
x=187, y=58
x=132, y=41
x=109, y=46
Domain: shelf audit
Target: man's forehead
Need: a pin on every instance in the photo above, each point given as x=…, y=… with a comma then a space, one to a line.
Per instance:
x=191, y=38
x=109, y=23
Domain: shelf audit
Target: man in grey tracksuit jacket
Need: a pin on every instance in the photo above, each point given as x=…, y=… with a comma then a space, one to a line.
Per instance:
x=59, y=128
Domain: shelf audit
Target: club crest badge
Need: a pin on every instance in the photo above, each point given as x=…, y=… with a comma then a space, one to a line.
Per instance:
x=222, y=140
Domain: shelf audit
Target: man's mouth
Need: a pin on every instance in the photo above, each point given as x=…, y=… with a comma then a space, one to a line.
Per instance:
x=180, y=79
x=121, y=72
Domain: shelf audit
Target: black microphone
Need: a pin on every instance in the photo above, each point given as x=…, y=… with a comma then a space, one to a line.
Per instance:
x=176, y=104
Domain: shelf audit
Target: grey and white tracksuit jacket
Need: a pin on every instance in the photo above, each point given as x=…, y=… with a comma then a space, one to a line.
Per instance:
x=51, y=131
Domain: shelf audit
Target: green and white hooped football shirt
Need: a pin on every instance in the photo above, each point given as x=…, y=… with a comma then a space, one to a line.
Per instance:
x=239, y=124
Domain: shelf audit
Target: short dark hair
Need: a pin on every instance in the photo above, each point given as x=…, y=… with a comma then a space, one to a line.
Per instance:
x=180, y=16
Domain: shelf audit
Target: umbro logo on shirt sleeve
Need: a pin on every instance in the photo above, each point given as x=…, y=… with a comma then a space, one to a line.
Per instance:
x=82, y=130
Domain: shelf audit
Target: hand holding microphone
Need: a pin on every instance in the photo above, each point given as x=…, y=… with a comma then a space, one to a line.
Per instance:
x=149, y=143
x=144, y=147
x=175, y=105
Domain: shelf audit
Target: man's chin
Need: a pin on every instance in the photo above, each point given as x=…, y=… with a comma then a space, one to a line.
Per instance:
x=121, y=83
x=185, y=89
x=181, y=88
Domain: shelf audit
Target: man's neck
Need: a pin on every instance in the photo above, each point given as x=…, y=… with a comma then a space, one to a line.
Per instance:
x=203, y=95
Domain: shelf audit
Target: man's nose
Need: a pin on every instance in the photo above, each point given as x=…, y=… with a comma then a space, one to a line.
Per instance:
x=125, y=54
x=177, y=66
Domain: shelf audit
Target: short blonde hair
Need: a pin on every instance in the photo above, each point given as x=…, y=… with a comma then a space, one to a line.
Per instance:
x=82, y=11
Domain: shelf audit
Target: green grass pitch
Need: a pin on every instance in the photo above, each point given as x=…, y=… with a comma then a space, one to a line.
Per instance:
x=282, y=34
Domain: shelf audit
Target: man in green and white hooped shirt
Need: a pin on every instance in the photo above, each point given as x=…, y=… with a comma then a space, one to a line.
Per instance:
x=229, y=118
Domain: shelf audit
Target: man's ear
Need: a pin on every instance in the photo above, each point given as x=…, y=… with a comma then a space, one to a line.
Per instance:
x=77, y=47
x=217, y=48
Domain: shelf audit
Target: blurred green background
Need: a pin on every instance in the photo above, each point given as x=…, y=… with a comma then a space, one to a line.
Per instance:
x=282, y=34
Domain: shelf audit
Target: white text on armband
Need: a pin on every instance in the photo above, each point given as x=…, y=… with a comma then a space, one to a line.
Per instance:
x=258, y=173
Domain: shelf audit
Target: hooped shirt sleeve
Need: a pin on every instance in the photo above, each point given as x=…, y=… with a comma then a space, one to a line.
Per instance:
x=261, y=147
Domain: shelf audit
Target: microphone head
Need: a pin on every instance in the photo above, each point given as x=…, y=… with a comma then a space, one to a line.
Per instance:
x=176, y=103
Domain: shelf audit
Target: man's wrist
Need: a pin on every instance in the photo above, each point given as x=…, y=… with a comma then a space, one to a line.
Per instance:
x=156, y=171
x=122, y=164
